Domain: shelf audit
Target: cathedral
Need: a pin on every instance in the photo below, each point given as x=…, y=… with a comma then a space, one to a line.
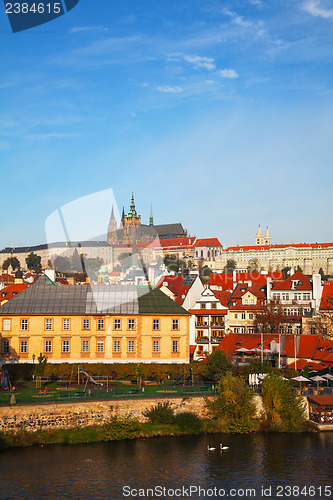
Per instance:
x=132, y=231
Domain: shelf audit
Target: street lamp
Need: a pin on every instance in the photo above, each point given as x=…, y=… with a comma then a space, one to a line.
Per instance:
x=33, y=358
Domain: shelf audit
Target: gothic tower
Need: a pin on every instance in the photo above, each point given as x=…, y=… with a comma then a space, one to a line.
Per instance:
x=267, y=237
x=132, y=222
x=259, y=237
x=112, y=230
x=151, y=219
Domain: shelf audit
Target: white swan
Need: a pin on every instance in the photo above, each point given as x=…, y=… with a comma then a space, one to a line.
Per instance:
x=210, y=449
x=224, y=447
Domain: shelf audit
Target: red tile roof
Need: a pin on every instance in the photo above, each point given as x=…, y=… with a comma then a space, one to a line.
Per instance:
x=225, y=280
x=11, y=291
x=174, y=284
x=304, y=283
x=273, y=247
x=327, y=296
x=7, y=278
x=207, y=242
x=223, y=297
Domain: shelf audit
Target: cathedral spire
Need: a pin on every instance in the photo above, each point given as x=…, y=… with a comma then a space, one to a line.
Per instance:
x=259, y=237
x=151, y=219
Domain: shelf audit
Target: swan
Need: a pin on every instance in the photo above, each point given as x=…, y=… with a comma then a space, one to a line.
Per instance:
x=210, y=449
x=224, y=447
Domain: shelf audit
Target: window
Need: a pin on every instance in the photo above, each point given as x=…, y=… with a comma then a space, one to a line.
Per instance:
x=175, y=324
x=251, y=316
x=131, y=324
x=24, y=324
x=116, y=346
x=48, y=323
x=66, y=323
x=48, y=346
x=100, y=345
x=213, y=305
x=156, y=324
x=23, y=346
x=199, y=334
x=245, y=301
x=175, y=346
x=236, y=330
x=6, y=324
x=236, y=315
x=86, y=324
x=252, y=301
x=100, y=324
x=5, y=346
x=85, y=345
x=65, y=346
x=202, y=305
x=117, y=324
x=250, y=330
x=313, y=330
x=156, y=346
x=243, y=316
x=131, y=346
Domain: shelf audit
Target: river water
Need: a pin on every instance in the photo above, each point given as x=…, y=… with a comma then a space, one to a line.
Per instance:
x=182, y=465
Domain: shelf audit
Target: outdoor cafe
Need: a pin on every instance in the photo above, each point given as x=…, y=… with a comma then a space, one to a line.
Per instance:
x=321, y=409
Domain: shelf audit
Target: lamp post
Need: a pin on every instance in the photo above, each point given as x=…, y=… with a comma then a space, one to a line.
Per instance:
x=33, y=358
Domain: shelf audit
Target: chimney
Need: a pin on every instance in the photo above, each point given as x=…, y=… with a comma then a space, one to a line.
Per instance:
x=269, y=285
x=317, y=289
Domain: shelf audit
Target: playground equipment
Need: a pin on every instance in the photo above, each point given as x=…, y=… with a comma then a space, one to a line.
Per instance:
x=186, y=379
x=80, y=372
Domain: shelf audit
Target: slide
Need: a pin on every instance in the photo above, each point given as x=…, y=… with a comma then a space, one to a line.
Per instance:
x=90, y=378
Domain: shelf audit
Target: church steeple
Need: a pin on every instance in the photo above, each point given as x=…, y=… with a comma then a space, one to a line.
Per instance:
x=132, y=210
x=151, y=219
x=267, y=237
x=112, y=229
x=259, y=237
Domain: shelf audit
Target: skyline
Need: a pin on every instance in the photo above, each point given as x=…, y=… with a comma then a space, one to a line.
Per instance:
x=219, y=115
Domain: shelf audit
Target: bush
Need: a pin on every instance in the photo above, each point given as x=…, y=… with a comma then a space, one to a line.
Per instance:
x=234, y=405
x=188, y=421
x=284, y=408
x=122, y=428
x=162, y=413
x=218, y=364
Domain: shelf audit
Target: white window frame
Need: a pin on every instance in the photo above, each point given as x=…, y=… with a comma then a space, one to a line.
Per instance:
x=156, y=346
x=100, y=324
x=5, y=346
x=100, y=345
x=47, y=345
x=156, y=324
x=7, y=324
x=65, y=346
x=131, y=324
x=117, y=324
x=85, y=345
x=23, y=346
x=66, y=323
x=116, y=345
x=48, y=324
x=24, y=324
x=86, y=324
x=175, y=346
x=175, y=324
x=131, y=345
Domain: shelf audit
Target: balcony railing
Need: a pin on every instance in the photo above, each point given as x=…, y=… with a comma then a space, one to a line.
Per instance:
x=202, y=340
x=202, y=325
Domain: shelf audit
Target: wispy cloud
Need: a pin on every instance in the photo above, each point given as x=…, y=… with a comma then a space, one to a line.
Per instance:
x=168, y=89
x=84, y=29
x=239, y=20
x=198, y=62
x=316, y=9
x=228, y=73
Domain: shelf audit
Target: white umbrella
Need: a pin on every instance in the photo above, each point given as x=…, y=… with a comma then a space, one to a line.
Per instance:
x=300, y=379
x=328, y=376
x=318, y=379
x=242, y=349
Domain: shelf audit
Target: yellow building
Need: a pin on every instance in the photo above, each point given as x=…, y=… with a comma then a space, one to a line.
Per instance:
x=93, y=323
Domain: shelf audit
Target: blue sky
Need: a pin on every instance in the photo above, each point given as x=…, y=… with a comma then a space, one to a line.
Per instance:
x=219, y=113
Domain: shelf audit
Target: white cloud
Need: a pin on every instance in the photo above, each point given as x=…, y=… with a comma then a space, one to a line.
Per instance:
x=198, y=62
x=228, y=73
x=316, y=9
x=168, y=89
x=80, y=29
x=239, y=20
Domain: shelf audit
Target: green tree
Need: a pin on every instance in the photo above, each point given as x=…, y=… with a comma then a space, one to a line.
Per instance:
x=284, y=409
x=285, y=272
x=172, y=263
x=162, y=413
x=61, y=264
x=218, y=364
x=11, y=261
x=40, y=368
x=233, y=405
x=230, y=266
x=253, y=265
x=322, y=274
x=298, y=269
x=76, y=262
x=33, y=262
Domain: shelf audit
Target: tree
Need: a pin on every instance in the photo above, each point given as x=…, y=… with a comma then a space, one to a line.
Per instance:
x=233, y=405
x=172, y=263
x=61, y=264
x=40, y=368
x=284, y=409
x=33, y=262
x=286, y=272
x=298, y=269
x=271, y=319
x=230, y=266
x=322, y=274
x=11, y=261
x=76, y=262
x=253, y=265
x=218, y=364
